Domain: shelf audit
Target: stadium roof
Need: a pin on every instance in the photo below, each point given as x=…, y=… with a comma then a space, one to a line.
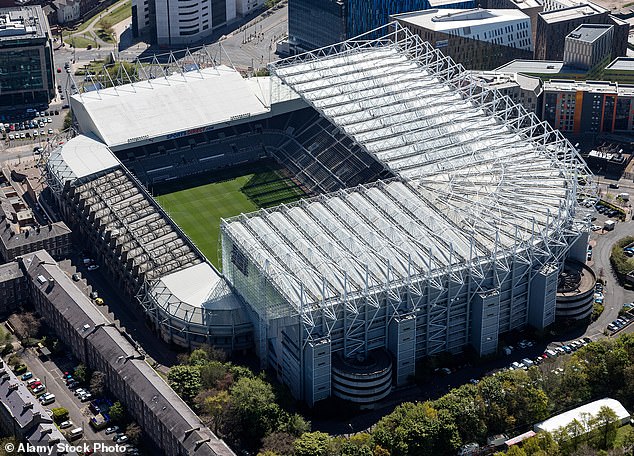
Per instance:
x=199, y=295
x=480, y=176
x=157, y=107
x=564, y=419
x=81, y=156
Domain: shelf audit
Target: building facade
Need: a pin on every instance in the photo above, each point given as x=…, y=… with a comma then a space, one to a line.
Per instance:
x=20, y=230
x=68, y=10
x=578, y=107
x=531, y=8
x=171, y=426
x=26, y=58
x=588, y=46
x=479, y=39
x=173, y=23
x=12, y=288
x=317, y=23
x=554, y=25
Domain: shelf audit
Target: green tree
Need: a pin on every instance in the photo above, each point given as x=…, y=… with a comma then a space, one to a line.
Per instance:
x=605, y=426
x=185, y=380
x=215, y=407
x=68, y=120
x=541, y=444
x=198, y=357
x=8, y=348
x=212, y=373
x=59, y=414
x=81, y=373
x=5, y=443
x=253, y=412
x=467, y=410
x=312, y=444
x=117, y=412
x=515, y=450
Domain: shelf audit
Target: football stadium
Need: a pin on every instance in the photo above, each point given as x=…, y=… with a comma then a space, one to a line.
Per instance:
x=364, y=206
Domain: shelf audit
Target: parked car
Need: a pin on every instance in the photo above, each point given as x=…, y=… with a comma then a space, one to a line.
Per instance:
x=122, y=439
x=39, y=389
x=93, y=267
x=27, y=375
x=65, y=424
x=112, y=430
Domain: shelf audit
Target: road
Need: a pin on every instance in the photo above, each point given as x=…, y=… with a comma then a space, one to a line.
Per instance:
x=126, y=313
x=51, y=375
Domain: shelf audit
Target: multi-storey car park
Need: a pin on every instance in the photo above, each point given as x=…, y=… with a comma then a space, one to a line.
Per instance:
x=442, y=211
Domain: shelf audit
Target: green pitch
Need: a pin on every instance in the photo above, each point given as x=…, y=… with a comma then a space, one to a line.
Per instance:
x=197, y=204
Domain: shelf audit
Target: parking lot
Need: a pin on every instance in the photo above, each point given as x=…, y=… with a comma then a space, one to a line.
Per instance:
x=53, y=373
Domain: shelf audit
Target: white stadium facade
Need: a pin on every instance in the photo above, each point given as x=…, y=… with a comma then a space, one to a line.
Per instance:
x=441, y=212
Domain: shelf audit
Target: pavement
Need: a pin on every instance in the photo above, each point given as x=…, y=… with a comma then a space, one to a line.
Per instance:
x=50, y=374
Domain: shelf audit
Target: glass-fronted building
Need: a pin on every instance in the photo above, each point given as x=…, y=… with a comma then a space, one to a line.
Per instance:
x=317, y=23
x=27, y=77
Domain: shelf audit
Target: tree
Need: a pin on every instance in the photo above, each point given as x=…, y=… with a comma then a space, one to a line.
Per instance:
x=515, y=450
x=605, y=425
x=68, y=120
x=8, y=447
x=97, y=383
x=216, y=406
x=117, y=412
x=81, y=373
x=59, y=414
x=8, y=348
x=312, y=444
x=198, y=357
x=281, y=443
x=253, y=412
x=185, y=380
x=26, y=325
x=133, y=431
x=212, y=373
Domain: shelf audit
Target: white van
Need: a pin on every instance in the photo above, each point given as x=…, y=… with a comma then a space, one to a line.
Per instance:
x=49, y=399
x=76, y=433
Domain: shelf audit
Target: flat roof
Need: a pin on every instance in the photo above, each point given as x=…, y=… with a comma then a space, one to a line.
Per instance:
x=563, y=419
x=574, y=12
x=81, y=156
x=621, y=64
x=24, y=22
x=451, y=19
x=589, y=32
x=538, y=67
x=152, y=108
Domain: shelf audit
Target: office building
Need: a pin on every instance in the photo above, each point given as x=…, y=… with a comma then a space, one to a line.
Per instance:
x=479, y=39
x=589, y=45
x=182, y=23
x=588, y=107
x=531, y=8
x=26, y=58
x=554, y=25
x=317, y=23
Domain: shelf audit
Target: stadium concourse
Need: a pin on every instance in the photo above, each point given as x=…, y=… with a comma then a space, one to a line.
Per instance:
x=440, y=213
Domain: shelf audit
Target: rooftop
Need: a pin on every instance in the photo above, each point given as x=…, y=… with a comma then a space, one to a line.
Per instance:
x=621, y=64
x=10, y=271
x=25, y=22
x=81, y=156
x=84, y=317
x=166, y=105
x=589, y=86
x=538, y=67
x=563, y=419
x=573, y=12
x=463, y=191
x=500, y=80
x=451, y=19
x=589, y=32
